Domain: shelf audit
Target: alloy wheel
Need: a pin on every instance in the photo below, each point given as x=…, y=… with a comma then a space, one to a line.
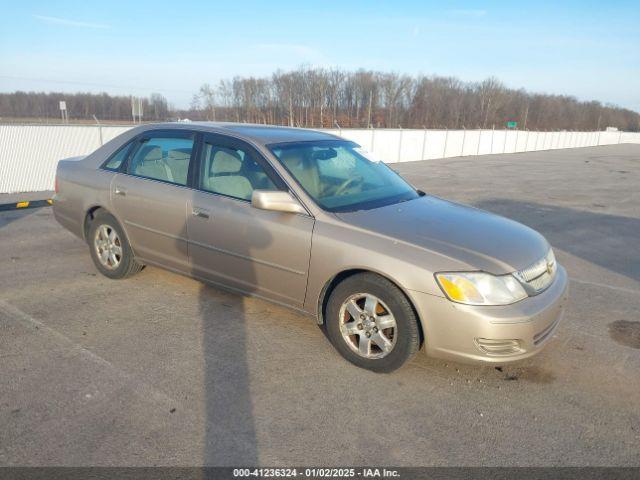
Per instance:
x=108, y=247
x=368, y=326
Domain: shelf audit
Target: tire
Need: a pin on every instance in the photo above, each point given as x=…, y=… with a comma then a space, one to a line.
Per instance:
x=122, y=263
x=371, y=293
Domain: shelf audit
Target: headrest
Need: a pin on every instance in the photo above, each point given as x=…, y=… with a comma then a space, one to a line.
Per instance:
x=226, y=161
x=292, y=157
x=151, y=153
x=179, y=154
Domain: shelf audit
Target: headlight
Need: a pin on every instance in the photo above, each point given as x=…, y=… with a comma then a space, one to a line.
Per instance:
x=478, y=288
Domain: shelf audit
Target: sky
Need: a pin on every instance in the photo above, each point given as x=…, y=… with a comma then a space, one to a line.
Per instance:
x=590, y=50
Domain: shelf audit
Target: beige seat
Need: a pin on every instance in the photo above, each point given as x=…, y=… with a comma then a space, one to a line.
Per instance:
x=225, y=177
x=149, y=163
x=178, y=162
x=304, y=170
x=256, y=175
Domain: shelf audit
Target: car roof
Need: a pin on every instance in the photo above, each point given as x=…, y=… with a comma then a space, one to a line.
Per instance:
x=260, y=134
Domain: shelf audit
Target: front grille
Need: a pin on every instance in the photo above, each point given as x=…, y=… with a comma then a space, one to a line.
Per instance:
x=538, y=276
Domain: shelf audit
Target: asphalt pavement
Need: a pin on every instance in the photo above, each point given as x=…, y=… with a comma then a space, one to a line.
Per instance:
x=160, y=369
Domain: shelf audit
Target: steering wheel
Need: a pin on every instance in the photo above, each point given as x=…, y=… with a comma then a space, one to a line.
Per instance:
x=346, y=184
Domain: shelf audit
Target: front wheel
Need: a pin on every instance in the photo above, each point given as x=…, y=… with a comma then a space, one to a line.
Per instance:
x=110, y=250
x=371, y=323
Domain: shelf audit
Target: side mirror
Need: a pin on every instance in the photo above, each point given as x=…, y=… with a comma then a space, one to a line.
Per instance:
x=276, y=201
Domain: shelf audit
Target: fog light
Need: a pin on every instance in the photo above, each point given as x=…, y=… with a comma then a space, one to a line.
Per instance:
x=499, y=347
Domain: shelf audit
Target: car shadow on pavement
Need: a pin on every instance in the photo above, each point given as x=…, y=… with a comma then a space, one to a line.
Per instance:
x=12, y=215
x=229, y=433
x=610, y=241
x=229, y=436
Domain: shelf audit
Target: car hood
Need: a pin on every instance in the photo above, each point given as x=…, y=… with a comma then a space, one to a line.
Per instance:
x=480, y=239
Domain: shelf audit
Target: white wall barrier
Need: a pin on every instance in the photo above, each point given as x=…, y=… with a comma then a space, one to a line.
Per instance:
x=29, y=153
x=395, y=145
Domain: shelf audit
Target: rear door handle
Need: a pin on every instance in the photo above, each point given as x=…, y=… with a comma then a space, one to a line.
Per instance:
x=120, y=191
x=200, y=213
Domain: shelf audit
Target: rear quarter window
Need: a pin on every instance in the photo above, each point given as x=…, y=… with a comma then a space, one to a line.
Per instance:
x=115, y=160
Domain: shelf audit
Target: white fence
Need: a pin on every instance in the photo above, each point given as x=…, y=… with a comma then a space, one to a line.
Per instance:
x=29, y=153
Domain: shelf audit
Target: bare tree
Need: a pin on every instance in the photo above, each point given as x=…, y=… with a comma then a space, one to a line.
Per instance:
x=316, y=97
x=207, y=97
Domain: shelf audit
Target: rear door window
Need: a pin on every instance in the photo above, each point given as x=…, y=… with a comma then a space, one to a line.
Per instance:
x=163, y=158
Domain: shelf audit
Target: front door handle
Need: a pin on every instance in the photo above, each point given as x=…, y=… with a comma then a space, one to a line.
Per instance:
x=200, y=213
x=120, y=191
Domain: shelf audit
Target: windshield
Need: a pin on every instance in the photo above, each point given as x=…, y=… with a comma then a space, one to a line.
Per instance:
x=340, y=176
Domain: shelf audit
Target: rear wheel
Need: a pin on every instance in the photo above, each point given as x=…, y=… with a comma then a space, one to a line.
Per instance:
x=110, y=250
x=371, y=323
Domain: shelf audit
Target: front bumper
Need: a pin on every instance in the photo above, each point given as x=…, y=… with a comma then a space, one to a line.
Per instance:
x=491, y=334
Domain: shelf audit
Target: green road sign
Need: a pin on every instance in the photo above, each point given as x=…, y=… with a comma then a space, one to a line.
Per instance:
x=512, y=124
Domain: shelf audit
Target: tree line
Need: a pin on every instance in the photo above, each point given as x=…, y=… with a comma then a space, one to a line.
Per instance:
x=80, y=106
x=319, y=97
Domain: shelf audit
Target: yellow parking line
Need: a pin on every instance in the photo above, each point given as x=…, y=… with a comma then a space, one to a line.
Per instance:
x=22, y=204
